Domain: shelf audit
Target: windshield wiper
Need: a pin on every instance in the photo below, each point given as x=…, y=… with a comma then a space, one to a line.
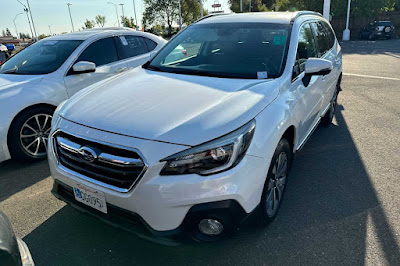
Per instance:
x=10, y=71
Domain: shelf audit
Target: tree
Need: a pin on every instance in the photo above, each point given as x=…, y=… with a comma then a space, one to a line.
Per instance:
x=256, y=6
x=89, y=24
x=191, y=11
x=129, y=22
x=42, y=36
x=161, y=12
x=100, y=20
x=8, y=32
x=24, y=36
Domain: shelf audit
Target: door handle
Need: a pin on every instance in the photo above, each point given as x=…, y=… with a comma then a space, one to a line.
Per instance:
x=121, y=69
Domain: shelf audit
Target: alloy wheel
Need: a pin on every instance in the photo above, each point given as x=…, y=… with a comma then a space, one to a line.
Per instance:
x=276, y=185
x=35, y=133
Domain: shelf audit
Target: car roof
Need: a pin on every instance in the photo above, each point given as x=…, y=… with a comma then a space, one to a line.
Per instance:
x=264, y=17
x=86, y=34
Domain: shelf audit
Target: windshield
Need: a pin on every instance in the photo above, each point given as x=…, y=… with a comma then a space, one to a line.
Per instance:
x=234, y=50
x=40, y=58
x=385, y=23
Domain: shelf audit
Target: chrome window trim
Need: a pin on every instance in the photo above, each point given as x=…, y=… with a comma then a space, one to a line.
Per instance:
x=91, y=180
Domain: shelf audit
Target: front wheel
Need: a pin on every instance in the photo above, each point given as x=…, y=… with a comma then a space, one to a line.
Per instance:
x=276, y=181
x=29, y=133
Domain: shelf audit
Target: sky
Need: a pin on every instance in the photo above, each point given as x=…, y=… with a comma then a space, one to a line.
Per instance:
x=54, y=13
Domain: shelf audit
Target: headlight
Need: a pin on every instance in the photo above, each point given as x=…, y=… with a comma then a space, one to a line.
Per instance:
x=212, y=157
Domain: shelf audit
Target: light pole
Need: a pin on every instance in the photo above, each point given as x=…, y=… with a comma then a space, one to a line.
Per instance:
x=27, y=16
x=327, y=8
x=33, y=24
x=180, y=15
x=201, y=8
x=134, y=10
x=15, y=25
x=69, y=11
x=116, y=11
x=50, y=31
x=123, y=15
x=241, y=6
x=346, y=32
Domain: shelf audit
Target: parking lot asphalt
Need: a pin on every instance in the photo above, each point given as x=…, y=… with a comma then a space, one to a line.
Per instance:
x=342, y=203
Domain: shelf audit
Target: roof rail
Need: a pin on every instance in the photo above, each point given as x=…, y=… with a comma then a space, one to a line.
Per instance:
x=303, y=13
x=211, y=15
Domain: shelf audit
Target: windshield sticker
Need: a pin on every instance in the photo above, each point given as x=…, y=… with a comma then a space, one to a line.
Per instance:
x=123, y=40
x=262, y=75
x=50, y=42
x=279, y=40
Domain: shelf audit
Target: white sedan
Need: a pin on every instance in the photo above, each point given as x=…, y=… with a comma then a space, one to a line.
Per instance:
x=36, y=80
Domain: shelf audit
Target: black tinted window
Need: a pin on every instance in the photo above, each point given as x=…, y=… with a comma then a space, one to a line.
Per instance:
x=150, y=44
x=100, y=52
x=131, y=46
x=322, y=38
x=305, y=49
x=331, y=34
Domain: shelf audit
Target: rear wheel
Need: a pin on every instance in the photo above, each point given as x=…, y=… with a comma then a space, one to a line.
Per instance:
x=275, y=184
x=29, y=133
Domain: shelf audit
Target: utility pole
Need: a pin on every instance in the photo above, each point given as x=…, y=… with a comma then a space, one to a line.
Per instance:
x=27, y=16
x=327, y=8
x=33, y=24
x=123, y=15
x=15, y=25
x=241, y=6
x=50, y=31
x=116, y=11
x=69, y=10
x=250, y=6
x=346, y=32
x=180, y=15
x=134, y=10
x=201, y=7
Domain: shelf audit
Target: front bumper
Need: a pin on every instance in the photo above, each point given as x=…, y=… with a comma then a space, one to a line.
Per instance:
x=163, y=203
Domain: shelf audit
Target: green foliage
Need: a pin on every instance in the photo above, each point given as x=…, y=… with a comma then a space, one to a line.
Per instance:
x=42, y=36
x=129, y=22
x=8, y=32
x=89, y=24
x=160, y=12
x=256, y=5
x=100, y=20
x=191, y=11
x=24, y=36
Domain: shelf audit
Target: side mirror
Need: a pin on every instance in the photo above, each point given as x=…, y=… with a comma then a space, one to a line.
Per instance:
x=84, y=67
x=318, y=66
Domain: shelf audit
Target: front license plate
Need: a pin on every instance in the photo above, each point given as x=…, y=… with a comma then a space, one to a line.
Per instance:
x=90, y=197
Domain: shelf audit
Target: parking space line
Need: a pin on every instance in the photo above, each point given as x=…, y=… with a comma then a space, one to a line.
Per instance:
x=369, y=76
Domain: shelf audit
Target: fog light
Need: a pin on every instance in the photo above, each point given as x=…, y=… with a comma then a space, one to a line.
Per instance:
x=210, y=227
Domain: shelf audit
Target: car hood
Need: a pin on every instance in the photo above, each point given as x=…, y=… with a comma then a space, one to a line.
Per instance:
x=10, y=84
x=168, y=107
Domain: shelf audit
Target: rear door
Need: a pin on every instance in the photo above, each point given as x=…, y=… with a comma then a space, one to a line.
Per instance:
x=134, y=50
x=104, y=54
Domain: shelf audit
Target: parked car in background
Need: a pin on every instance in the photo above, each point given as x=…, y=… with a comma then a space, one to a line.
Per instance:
x=10, y=47
x=376, y=30
x=193, y=146
x=37, y=79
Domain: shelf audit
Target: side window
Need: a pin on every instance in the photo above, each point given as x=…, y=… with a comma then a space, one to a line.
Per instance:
x=151, y=45
x=331, y=34
x=131, y=46
x=322, y=38
x=100, y=52
x=305, y=49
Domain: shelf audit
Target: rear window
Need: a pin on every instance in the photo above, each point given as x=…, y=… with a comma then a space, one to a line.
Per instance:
x=130, y=46
x=150, y=44
x=385, y=23
x=324, y=42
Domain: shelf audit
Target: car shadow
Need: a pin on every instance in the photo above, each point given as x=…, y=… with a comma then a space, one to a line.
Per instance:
x=330, y=204
x=16, y=176
x=387, y=47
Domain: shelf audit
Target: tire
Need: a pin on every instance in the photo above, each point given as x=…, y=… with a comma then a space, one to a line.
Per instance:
x=275, y=185
x=28, y=134
x=327, y=119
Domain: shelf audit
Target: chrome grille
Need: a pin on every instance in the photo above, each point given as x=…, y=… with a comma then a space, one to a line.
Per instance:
x=114, y=167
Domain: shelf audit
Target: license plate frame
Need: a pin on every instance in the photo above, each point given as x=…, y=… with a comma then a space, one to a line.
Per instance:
x=91, y=197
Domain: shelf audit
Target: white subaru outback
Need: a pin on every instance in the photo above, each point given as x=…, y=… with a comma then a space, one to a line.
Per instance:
x=193, y=145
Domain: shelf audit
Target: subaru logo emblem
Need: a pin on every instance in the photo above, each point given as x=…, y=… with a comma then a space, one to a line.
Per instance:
x=87, y=154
